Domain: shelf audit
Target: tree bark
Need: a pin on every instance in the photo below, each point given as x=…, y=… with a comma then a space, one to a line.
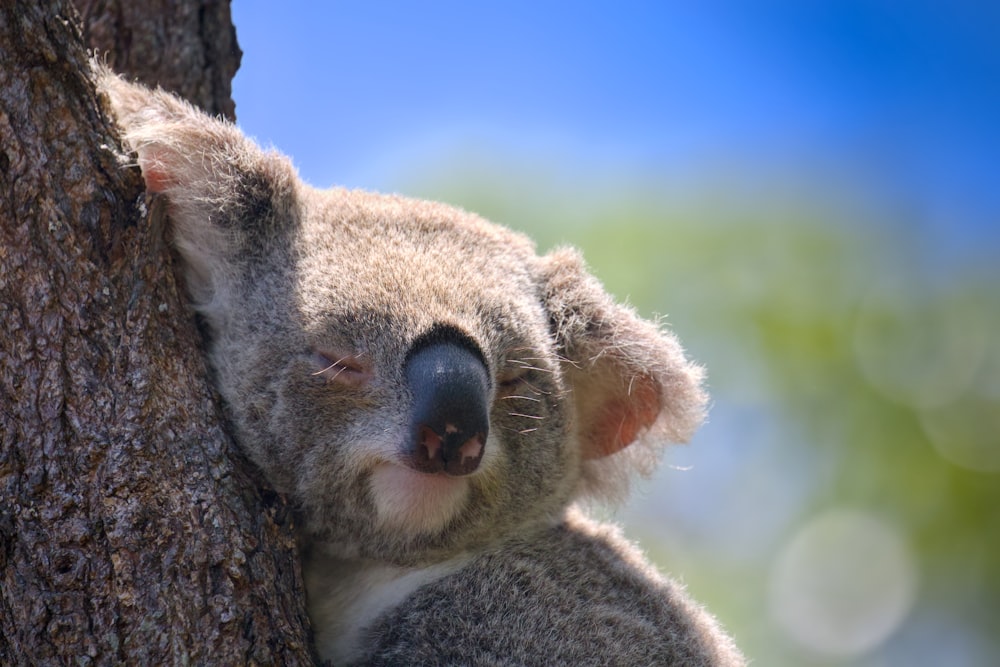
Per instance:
x=131, y=531
x=185, y=46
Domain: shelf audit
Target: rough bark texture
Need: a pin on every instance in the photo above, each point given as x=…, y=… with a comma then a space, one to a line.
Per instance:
x=185, y=46
x=130, y=533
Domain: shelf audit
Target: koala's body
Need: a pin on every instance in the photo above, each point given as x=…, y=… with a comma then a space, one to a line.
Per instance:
x=434, y=397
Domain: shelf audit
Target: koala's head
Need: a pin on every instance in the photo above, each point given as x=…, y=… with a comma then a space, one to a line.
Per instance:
x=417, y=379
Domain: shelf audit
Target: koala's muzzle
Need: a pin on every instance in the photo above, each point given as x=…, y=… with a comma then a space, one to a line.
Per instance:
x=450, y=419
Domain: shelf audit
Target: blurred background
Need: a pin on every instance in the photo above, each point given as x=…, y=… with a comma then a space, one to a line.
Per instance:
x=807, y=190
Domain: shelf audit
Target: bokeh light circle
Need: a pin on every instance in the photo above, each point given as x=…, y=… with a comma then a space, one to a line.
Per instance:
x=843, y=583
x=919, y=350
x=966, y=433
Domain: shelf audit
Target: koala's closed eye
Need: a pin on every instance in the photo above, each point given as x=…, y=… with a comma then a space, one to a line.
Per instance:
x=512, y=377
x=349, y=369
x=520, y=368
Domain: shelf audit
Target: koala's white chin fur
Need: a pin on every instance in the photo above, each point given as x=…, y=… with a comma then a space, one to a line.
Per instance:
x=416, y=502
x=346, y=596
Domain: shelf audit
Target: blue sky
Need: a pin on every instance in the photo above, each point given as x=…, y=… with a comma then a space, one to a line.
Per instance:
x=898, y=98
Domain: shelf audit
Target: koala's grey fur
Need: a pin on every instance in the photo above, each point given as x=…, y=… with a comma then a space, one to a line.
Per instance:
x=314, y=299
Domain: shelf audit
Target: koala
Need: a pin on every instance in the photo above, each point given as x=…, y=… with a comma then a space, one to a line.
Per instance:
x=437, y=400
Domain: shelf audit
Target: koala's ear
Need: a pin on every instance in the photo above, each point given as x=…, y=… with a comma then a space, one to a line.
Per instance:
x=629, y=380
x=221, y=188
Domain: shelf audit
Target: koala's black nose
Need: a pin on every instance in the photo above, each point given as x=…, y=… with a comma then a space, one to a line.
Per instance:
x=450, y=418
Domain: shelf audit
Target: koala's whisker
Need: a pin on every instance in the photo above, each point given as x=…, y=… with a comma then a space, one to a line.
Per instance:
x=336, y=375
x=523, y=359
x=518, y=414
x=527, y=398
x=320, y=372
x=528, y=367
x=520, y=431
x=566, y=360
x=535, y=389
x=339, y=365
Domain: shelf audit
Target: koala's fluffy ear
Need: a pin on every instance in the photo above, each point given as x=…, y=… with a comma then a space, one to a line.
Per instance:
x=222, y=190
x=629, y=380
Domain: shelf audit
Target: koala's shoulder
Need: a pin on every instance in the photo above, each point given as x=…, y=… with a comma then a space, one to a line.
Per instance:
x=577, y=593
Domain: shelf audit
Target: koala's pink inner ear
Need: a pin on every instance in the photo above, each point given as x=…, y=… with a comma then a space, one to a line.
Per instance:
x=154, y=169
x=624, y=415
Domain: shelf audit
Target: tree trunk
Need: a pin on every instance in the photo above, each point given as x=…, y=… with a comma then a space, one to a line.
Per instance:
x=185, y=46
x=131, y=532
